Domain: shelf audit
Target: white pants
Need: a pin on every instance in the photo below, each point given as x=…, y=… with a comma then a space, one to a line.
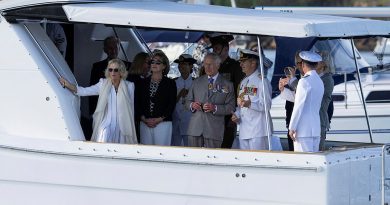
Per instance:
x=306, y=144
x=159, y=135
x=257, y=143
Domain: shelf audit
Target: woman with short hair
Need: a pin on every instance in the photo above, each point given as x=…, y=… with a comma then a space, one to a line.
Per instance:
x=157, y=103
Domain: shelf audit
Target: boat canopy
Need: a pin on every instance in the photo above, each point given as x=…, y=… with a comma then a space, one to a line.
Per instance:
x=171, y=15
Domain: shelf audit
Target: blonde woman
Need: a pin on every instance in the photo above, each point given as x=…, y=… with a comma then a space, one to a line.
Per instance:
x=113, y=120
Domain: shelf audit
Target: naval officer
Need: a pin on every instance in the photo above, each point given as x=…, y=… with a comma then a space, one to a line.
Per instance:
x=250, y=113
x=305, y=127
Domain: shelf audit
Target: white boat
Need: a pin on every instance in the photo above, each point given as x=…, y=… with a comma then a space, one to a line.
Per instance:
x=45, y=160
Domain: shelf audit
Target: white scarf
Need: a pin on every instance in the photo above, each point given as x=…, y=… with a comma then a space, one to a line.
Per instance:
x=125, y=114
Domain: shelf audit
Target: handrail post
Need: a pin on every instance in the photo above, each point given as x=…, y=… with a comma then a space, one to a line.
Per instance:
x=361, y=90
x=265, y=102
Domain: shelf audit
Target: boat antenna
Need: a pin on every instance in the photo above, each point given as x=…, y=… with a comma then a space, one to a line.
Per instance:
x=361, y=90
x=259, y=51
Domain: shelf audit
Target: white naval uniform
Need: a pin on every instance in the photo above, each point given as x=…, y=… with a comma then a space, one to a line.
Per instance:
x=253, y=126
x=305, y=118
x=109, y=129
x=181, y=116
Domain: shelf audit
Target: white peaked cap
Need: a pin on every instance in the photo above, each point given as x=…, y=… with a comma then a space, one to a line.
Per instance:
x=310, y=56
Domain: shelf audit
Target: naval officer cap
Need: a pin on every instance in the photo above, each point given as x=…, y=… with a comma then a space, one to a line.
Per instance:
x=220, y=38
x=310, y=56
x=247, y=54
x=185, y=58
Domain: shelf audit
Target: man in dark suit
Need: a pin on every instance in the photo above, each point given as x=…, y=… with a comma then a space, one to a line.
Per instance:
x=210, y=99
x=230, y=69
x=111, y=48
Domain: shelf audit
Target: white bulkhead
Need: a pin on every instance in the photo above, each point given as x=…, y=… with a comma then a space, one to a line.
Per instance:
x=29, y=91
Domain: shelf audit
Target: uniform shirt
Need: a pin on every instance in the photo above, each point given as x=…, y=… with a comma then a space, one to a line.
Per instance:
x=253, y=119
x=181, y=115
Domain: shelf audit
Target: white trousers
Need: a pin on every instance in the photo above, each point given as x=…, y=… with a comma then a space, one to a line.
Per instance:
x=306, y=144
x=159, y=135
x=257, y=143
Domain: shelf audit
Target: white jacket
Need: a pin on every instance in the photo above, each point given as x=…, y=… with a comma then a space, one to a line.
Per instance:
x=253, y=119
x=305, y=119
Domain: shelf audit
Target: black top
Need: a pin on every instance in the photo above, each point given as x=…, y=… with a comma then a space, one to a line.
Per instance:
x=137, y=80
x=164, y=99
x=231, y=70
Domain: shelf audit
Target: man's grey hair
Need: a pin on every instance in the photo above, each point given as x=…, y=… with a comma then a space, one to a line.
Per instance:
x=215, y=57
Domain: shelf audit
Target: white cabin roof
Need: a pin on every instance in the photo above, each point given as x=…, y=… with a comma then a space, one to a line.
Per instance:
x=181, y=16
x=172, y=15
x=12, y=4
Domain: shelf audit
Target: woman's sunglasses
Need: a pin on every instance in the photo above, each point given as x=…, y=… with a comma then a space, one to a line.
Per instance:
x=113, y=69
x=155, y=62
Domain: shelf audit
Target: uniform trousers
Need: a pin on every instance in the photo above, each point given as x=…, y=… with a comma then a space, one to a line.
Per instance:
x=159, y=135
x=306, y=144
x=200, y=141
x=257, y=143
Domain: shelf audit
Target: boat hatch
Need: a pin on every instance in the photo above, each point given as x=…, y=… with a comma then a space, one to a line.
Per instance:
x=170, y=15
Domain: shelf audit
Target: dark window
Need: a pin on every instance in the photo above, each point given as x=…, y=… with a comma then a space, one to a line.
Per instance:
x=378, y=97
x=338, y=97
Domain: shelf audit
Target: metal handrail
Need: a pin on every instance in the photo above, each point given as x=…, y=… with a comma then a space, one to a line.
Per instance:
x=361, y=91
x=263, y=87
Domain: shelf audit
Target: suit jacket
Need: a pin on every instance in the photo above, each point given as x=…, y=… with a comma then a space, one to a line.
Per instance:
x=253, y=119
x=305, y=118
x=328, y=81
x=164, y=99
x=210, y=125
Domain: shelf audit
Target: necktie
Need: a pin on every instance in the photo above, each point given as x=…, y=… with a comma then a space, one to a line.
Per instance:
x=211, y=86
x=211, y=82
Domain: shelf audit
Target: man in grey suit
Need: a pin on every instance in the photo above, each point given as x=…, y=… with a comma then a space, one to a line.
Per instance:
x=210, y=98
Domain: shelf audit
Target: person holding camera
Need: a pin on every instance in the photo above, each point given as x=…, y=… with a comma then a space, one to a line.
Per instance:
x=287, y=87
